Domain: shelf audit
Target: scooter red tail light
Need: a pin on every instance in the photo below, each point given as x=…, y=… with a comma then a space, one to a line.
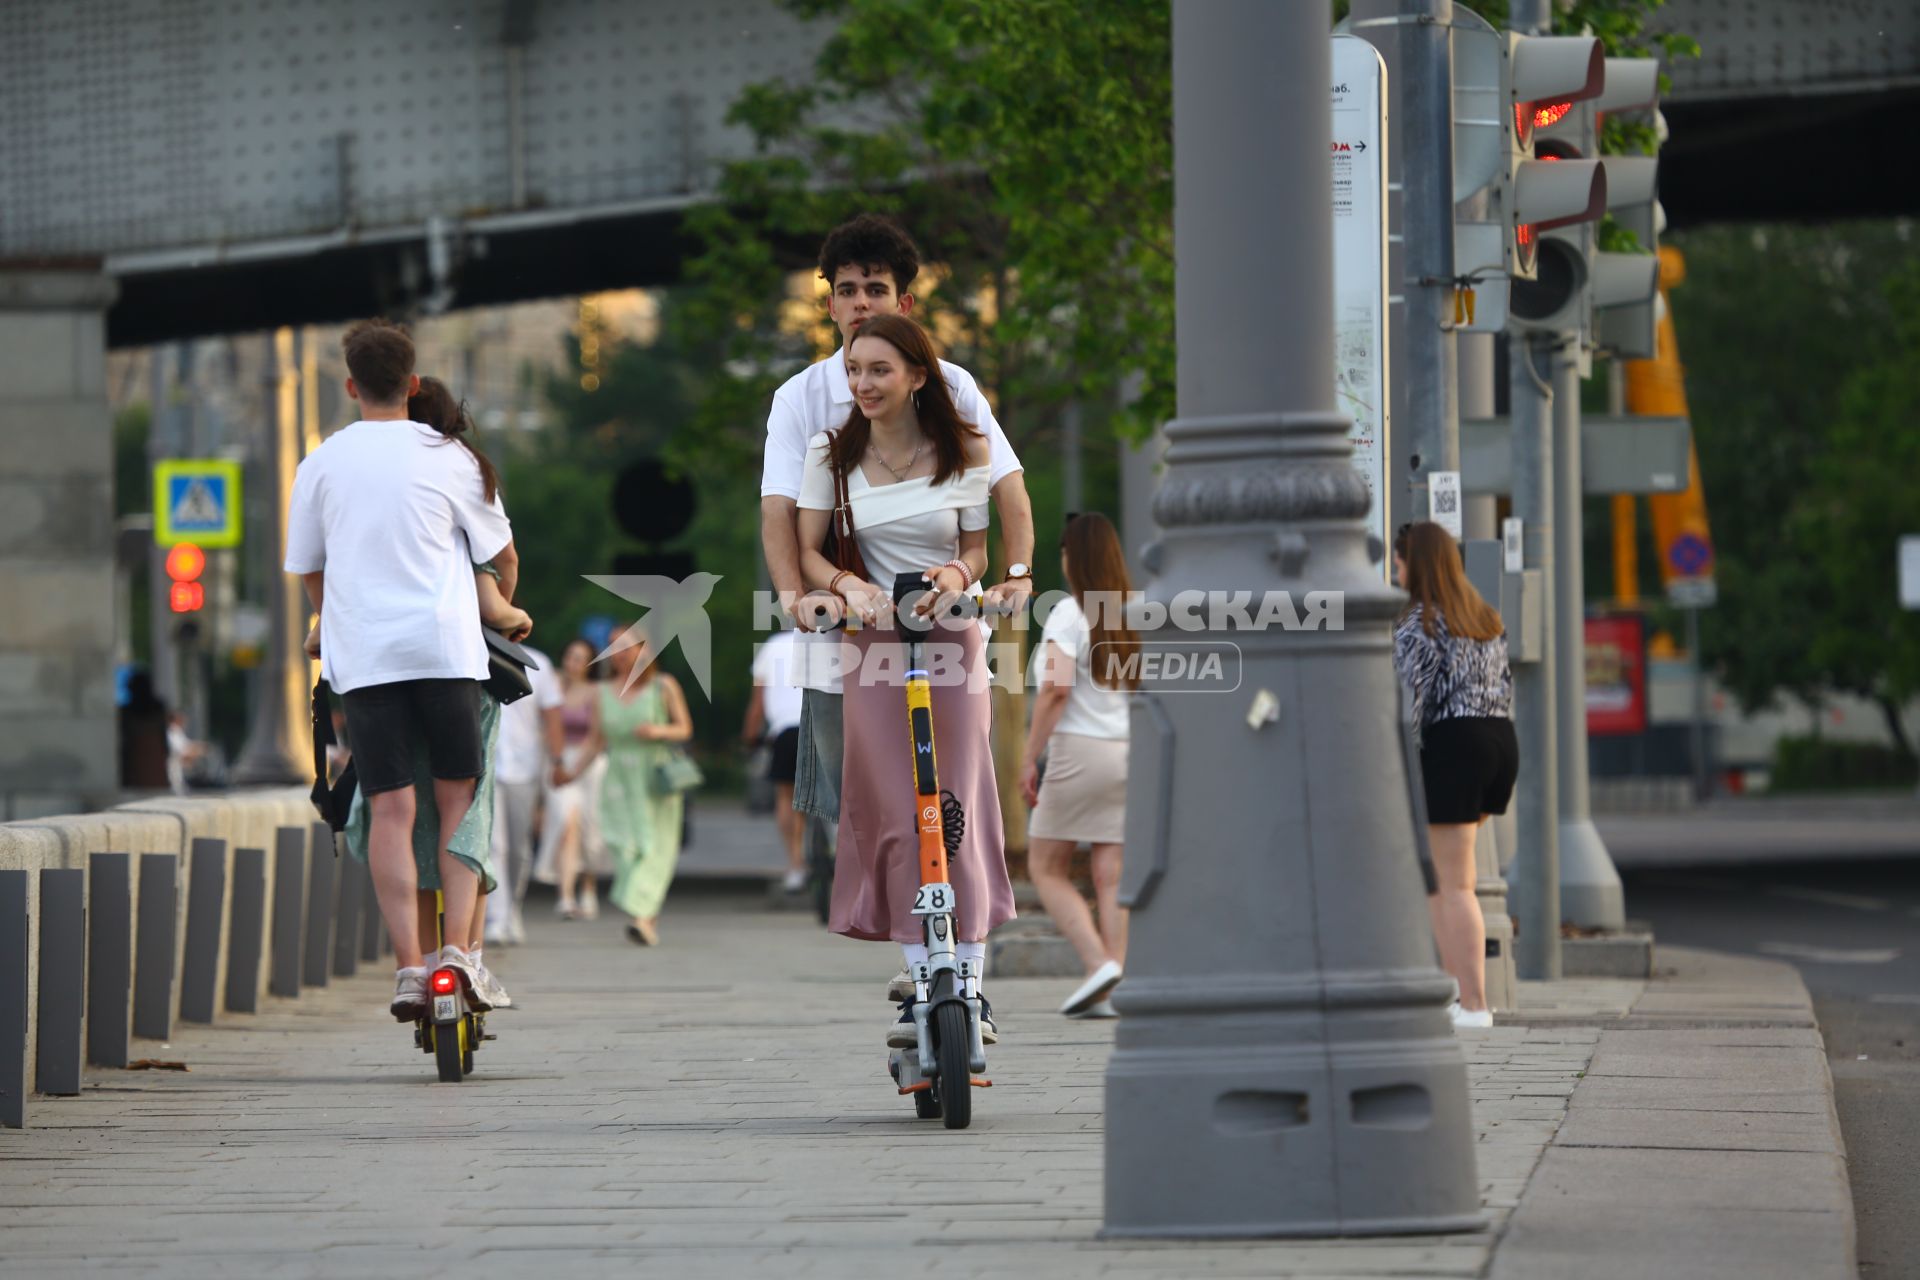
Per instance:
x=445, y=982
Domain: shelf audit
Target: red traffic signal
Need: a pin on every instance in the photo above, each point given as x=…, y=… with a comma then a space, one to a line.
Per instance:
x=185, y=564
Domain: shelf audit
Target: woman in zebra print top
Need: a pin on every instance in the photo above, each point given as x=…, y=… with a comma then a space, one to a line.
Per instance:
x=1451, y=651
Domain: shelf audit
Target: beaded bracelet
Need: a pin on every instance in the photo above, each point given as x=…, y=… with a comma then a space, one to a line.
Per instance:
x=966, y=571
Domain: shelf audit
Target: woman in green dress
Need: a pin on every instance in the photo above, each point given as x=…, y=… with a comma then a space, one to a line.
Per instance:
x=640, y=718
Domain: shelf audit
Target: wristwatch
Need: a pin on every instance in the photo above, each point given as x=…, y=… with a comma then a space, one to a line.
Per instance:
x=1018, y=570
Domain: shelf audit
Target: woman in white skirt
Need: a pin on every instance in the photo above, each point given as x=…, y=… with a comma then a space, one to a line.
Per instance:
x=1080, y=723
x=572, y=856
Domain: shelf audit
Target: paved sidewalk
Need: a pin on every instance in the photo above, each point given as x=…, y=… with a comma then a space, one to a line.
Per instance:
x=710, y=1106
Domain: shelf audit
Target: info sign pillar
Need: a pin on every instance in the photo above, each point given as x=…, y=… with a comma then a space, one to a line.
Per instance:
x=1362, y=355
x=1283, y=1064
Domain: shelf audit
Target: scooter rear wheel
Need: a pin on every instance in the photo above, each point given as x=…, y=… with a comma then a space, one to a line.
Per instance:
x=447, y=1052
x=926, y=1105
x=952, y=1051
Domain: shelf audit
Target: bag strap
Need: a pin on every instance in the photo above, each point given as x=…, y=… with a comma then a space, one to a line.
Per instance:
x=842, y=506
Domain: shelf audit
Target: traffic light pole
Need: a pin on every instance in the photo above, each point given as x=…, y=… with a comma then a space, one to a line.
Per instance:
x=1414, y=38
x=273, y=749
x=1536, y=876
x=1590, y=892
x=1283, y=1064
x=1535, y=888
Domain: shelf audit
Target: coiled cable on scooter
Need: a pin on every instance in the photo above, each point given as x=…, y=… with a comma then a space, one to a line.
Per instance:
x=953, y=822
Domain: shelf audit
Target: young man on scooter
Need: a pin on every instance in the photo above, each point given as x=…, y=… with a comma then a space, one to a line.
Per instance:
x=385, y=525
x=869, y=264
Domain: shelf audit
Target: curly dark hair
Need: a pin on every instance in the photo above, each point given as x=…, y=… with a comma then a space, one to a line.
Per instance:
x=871, y=241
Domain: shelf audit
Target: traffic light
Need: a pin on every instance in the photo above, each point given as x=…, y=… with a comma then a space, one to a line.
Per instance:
x=1541, y=79
x=1557, y=297
x=185, y=592
x=1625, y=293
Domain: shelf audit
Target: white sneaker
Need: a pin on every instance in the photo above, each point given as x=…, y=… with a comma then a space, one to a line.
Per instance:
x=901, y=987
x=589, y=905
x=452, y=957
x=409, y=994
x=496, y=994
x=1094, y=989
x=1470, y=1019
x=516, y=926
x=795, y=881
x=1104, y=1009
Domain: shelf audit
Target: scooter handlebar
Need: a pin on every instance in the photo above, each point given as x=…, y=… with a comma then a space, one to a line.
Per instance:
x=907, y=590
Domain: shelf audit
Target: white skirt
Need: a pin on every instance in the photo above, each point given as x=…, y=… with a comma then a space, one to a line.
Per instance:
x=578, y=799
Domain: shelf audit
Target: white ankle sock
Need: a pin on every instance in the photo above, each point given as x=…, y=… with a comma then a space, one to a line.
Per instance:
x=916, y=953
x=974, y=951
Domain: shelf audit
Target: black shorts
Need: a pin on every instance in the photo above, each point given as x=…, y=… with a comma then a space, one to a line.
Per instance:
x=786, y=756
x=387, y=723
x=1468, y=764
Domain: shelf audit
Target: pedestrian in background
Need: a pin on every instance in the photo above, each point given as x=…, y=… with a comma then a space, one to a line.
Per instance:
x=773, y=715
x=1080, y=724
x=1451, y=651
x=640, y=720
x=529, y=735
x=572, y=854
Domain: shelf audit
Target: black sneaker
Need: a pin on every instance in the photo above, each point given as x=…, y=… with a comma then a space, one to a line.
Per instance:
x=989, y=1034
x=904, y=1034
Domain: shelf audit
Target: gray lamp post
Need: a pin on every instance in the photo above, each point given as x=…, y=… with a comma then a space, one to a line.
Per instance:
x=1283, y=1064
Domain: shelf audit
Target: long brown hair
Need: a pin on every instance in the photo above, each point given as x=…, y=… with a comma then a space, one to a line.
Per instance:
x=436, y=407
x=1097, y=565
x=945, y=428
x=1436, y=580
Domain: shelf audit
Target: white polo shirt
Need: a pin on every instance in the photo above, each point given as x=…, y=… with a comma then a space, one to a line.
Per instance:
x=396, y=515
x=817, y=399
x=773, y=672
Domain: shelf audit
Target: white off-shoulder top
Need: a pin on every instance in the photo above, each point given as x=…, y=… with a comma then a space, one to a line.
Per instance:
x=903, y=527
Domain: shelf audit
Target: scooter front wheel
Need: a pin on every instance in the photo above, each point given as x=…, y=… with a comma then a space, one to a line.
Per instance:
x=952, y=1050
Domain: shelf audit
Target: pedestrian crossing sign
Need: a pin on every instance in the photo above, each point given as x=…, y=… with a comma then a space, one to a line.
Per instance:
x=196, y=500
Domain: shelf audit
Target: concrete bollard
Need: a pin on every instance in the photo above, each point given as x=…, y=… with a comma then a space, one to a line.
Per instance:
x=206, y=898
x=346, y=918
x=289, y=883
x=246, y=929
x=14, y=931
x=155, y=945
x=372, y=933
x=62, y=1005
x=109, y=957
x=320, y=906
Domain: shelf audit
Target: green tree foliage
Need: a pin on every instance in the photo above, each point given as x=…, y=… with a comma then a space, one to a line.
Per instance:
x=558, y=487
x=1864, y=494
x=1027, y=146
x=1794, y=355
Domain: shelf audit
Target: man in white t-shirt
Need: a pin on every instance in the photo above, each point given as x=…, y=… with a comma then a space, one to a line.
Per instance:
x=870, y=265
x=387, y=520
x=773, y=716
x=530, y=734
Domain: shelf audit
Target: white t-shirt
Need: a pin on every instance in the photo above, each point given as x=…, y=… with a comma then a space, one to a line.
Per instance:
x=396, y=515
x=522, y=747
x=1090, y=710
x=819, y=398
x=779, y=690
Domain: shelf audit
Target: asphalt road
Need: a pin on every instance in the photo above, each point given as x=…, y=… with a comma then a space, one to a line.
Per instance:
x=1851, y=925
